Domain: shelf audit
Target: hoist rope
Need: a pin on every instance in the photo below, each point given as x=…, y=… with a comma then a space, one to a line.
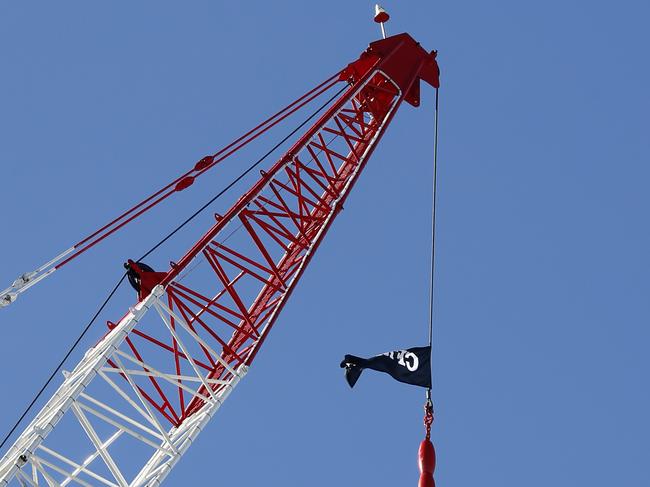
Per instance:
x=434, y=198
x=162, y=241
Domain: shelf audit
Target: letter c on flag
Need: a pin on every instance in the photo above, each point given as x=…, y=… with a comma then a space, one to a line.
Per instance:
x=412, y=366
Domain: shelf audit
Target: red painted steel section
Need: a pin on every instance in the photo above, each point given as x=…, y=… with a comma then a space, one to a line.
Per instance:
x=405, y=62
x=402, y=59
x=283, y=220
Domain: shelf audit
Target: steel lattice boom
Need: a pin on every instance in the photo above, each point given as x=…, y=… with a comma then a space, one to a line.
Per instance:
x=139, y=398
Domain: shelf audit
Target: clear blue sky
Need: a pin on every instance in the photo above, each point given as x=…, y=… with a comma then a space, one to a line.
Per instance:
x=541, y=333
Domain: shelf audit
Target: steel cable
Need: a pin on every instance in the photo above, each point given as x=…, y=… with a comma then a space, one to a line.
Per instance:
x=433, y=226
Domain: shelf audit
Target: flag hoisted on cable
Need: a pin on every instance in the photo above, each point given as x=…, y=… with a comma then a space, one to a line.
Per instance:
x=411, y=366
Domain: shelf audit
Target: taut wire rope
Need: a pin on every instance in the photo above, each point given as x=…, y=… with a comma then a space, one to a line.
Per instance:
x=433, y=228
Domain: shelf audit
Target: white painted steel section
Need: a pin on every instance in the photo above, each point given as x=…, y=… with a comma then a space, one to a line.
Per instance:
x=74, y=384
x=31, y=463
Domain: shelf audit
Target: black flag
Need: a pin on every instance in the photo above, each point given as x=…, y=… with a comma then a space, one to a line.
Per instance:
x=412, y=366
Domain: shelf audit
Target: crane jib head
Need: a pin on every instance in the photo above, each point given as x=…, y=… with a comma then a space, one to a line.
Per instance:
x=403, y=59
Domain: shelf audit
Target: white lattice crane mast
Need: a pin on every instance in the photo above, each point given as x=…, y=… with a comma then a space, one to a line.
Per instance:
x=139, y=398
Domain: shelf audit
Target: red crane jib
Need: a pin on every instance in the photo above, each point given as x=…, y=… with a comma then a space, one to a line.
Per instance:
x=283, y=217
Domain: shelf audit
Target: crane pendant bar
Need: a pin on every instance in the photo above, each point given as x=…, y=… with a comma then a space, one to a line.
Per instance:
x=140, y=397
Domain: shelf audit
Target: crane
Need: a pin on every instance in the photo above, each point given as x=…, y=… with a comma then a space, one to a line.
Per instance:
x=142, y=394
